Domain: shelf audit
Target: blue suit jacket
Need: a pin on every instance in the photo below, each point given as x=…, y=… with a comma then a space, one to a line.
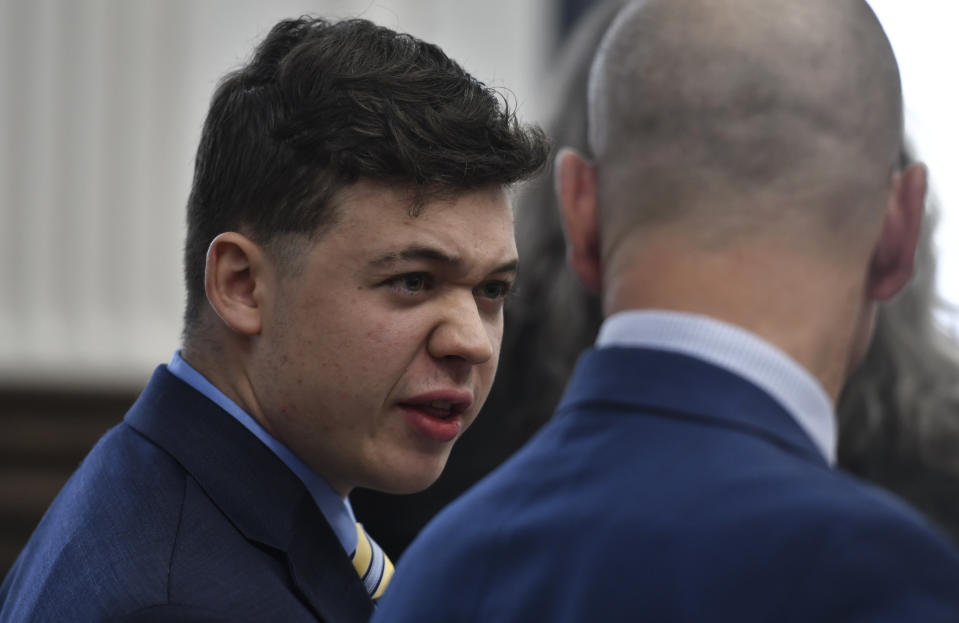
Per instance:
x=667, y=489
x=181, y=514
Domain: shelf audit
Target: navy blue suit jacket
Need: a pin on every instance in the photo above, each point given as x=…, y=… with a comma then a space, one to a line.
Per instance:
x=181, y=514
x=667, y=489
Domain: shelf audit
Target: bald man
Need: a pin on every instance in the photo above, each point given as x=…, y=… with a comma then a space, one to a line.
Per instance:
x=744, y=213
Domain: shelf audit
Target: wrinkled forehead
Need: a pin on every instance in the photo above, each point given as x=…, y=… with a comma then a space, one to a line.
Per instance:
x=386, y=225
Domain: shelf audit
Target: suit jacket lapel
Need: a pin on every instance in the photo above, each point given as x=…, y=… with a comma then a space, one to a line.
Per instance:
x=328, y=581
x=255, y=490
x=676, y=385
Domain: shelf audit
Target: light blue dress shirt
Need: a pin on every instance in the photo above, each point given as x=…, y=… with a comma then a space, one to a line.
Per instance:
x=337, y=510
x=737, y=350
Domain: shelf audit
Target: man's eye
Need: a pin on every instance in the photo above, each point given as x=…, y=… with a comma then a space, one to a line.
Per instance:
x=410, y=283
x=495, y=289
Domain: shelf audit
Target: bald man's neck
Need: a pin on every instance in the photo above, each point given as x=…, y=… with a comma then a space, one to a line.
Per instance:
x=763, y=286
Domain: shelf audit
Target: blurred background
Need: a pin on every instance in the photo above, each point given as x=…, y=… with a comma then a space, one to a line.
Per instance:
x=101, y=105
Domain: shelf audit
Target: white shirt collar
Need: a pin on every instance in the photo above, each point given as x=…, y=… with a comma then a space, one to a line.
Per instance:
x=737, y=350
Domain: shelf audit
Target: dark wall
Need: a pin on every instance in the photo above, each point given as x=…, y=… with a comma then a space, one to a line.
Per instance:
x=44, y=434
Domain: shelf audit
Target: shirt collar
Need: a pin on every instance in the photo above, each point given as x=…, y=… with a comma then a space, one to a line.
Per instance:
x=737, y=350
x=337, y=510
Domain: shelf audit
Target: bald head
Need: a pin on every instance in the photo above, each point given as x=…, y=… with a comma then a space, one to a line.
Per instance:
x=738, y=114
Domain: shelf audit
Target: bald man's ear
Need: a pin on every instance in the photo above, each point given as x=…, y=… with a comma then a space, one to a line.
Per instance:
x=893, y=260
x=576, y=190
x=234, y=264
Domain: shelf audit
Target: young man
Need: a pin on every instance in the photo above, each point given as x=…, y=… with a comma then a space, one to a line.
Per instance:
x=745, y=212
x=349, y=245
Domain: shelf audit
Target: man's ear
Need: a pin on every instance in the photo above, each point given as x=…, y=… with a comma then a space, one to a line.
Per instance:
x=235, y=266
x=576, y=191
x=894, y=257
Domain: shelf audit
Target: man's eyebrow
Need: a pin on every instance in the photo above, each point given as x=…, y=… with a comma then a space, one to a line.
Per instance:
x=432, y=254
x=415, y=252
x=508, y=267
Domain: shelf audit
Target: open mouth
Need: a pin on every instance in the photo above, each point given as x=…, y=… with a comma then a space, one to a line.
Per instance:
x=438, y=408
x=436, y=419
x=441, y=409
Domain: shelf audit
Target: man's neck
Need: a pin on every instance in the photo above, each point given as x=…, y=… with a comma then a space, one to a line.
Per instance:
x=810, y=311
x=224, y=368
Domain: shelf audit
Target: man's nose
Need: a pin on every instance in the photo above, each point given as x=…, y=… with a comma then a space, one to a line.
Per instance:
x=462, y=333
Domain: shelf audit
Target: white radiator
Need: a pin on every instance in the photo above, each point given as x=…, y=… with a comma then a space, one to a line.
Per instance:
x=101, y=103
x=94, y=170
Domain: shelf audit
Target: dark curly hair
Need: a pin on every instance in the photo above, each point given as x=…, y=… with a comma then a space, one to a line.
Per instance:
x=323, y=104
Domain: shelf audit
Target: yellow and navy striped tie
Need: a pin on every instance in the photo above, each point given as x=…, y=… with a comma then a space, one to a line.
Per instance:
x=371, y=563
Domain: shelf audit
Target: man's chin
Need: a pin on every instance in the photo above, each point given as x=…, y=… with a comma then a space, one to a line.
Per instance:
x=407, y=481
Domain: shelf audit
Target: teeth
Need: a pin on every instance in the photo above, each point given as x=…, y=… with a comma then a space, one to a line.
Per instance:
x=441, y=404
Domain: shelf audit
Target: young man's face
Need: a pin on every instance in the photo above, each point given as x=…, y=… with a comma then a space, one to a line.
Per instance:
x=379, y=353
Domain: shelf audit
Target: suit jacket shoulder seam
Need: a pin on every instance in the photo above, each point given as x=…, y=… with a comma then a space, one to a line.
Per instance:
x=176, y=538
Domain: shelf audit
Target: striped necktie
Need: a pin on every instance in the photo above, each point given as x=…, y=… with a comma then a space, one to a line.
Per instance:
x=371, y=563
